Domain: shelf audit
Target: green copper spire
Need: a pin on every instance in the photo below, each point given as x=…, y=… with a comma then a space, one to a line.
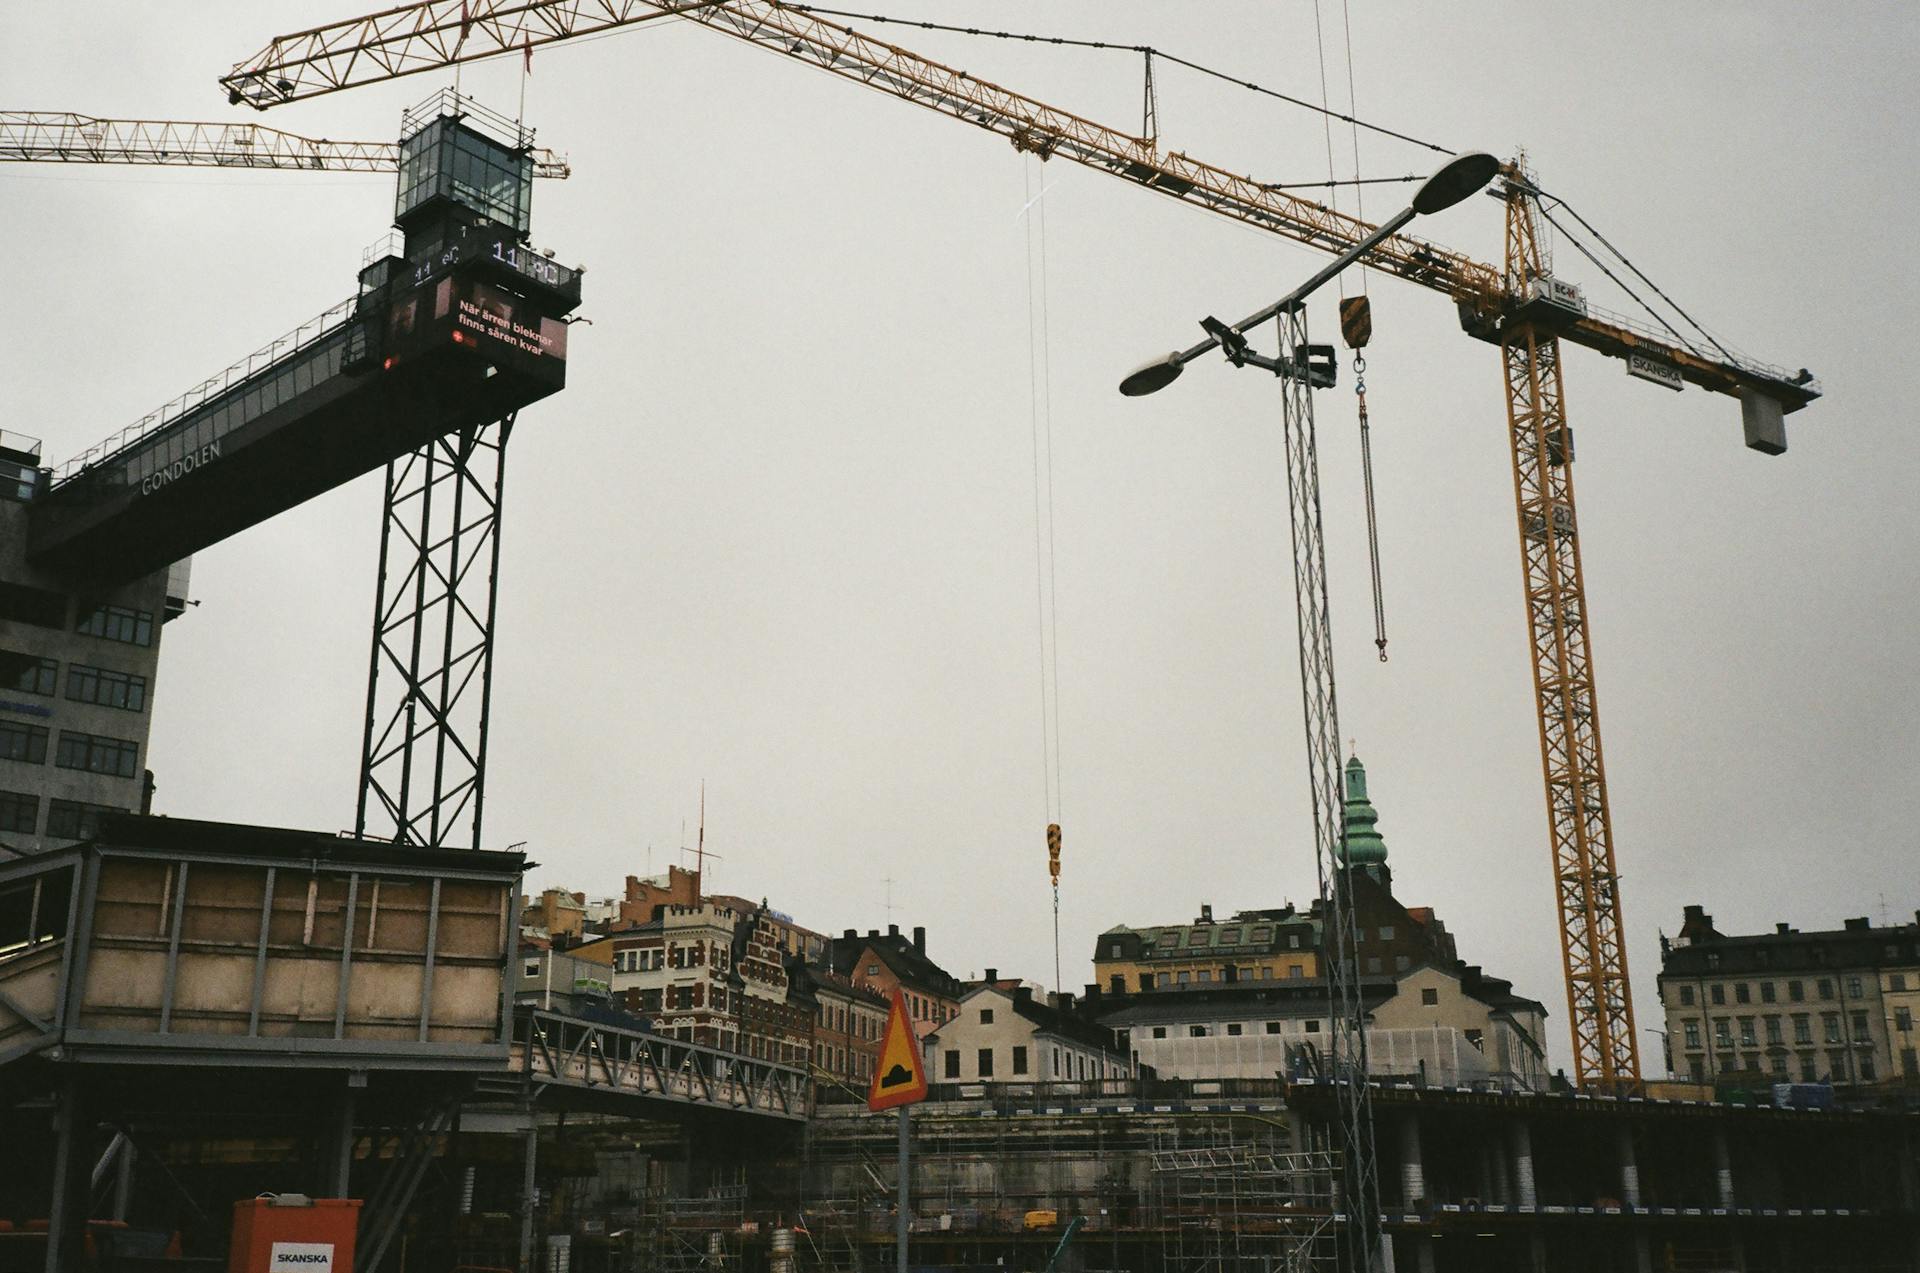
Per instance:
x=1365, y=847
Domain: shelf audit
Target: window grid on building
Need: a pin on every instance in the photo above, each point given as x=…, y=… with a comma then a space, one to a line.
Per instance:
x=27, y=673
x=75, y=820
x=19, y=812
x=95, y=754
x=24, y=743
x=106, y=687
x=118, y=623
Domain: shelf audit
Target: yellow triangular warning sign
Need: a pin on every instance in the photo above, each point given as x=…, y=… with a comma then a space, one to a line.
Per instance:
x=898, y=1078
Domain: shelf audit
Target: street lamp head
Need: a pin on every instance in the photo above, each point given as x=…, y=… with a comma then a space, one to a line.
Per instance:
x=1459, y=177
x=1153, y=377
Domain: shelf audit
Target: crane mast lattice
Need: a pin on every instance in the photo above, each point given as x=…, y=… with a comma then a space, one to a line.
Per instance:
x=66, y=137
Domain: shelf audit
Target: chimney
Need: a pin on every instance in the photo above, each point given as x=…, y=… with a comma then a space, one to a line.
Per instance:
x=1858, y=925
x=993, y=974
x=1781, y=928
x=919, y=939
x=1023, y=994
x=1206, y=914
x=873, y=932
x=852, y=934
x=893, y=930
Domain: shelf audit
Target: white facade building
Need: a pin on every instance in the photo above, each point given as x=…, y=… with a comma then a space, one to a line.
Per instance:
x=1008, y=1036
x=1446, y=1026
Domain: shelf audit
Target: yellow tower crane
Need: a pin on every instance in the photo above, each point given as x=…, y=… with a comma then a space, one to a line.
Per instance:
x=64, y=137
x=1518, y=306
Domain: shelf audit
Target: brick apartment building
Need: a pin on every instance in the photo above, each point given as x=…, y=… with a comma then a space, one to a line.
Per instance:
x=884, y=961
x=849, y=1021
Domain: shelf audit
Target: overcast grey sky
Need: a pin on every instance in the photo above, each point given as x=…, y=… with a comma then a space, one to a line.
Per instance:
x=778, y=532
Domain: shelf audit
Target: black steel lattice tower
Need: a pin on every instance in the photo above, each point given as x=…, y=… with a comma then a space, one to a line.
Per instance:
x=1359, y=1241
x=466, y=180
x=424, y=758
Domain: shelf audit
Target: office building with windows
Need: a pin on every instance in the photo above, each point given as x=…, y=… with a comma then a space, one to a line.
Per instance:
x=1789, y=1006
x=78, y=667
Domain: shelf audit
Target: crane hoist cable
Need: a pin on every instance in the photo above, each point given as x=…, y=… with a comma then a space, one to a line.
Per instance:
x=1046, y=609
x=1356, y=314
x=1356, y=333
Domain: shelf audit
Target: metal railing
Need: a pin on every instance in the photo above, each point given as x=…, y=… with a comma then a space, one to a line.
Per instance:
x=1736, y=357
x=300, y=338
x=550, y=1048
x=19, y=442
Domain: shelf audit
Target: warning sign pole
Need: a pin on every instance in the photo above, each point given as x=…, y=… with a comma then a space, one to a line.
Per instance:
x=905, y=1178
x=899, y=1080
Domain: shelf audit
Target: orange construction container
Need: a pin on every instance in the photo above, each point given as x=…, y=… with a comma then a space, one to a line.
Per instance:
x=292, y=1233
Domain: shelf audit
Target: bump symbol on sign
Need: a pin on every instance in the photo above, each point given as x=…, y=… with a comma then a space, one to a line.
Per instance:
x=899, y=1078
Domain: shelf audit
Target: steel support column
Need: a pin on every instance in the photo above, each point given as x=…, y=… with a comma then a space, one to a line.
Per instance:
x=430, y=676
x=340, y=1141
x=71, y=1196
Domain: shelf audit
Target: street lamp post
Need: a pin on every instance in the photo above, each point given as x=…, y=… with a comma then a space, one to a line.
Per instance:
x=1456, y=179
x=1299, y=366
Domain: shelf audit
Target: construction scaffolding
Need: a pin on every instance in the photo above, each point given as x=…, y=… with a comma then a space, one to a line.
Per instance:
x=1092, y=1182
x=1240, y=1206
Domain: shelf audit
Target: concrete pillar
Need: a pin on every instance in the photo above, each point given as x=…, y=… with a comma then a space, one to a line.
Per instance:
x=1723, y=1167
x=1502, y=1180
x=528, y=1155
x=1523, y=1187
x=1537, y=1250
x=1642, y=1253
x=1413, y=1172
x=1629, y=1165
x=1423, y=1259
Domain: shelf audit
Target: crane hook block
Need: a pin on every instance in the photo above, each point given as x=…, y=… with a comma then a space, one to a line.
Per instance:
x=1053, y=852
x=1356, y=321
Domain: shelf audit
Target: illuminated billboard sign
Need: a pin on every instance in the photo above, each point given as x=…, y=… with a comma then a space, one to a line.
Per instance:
x=504, y=328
